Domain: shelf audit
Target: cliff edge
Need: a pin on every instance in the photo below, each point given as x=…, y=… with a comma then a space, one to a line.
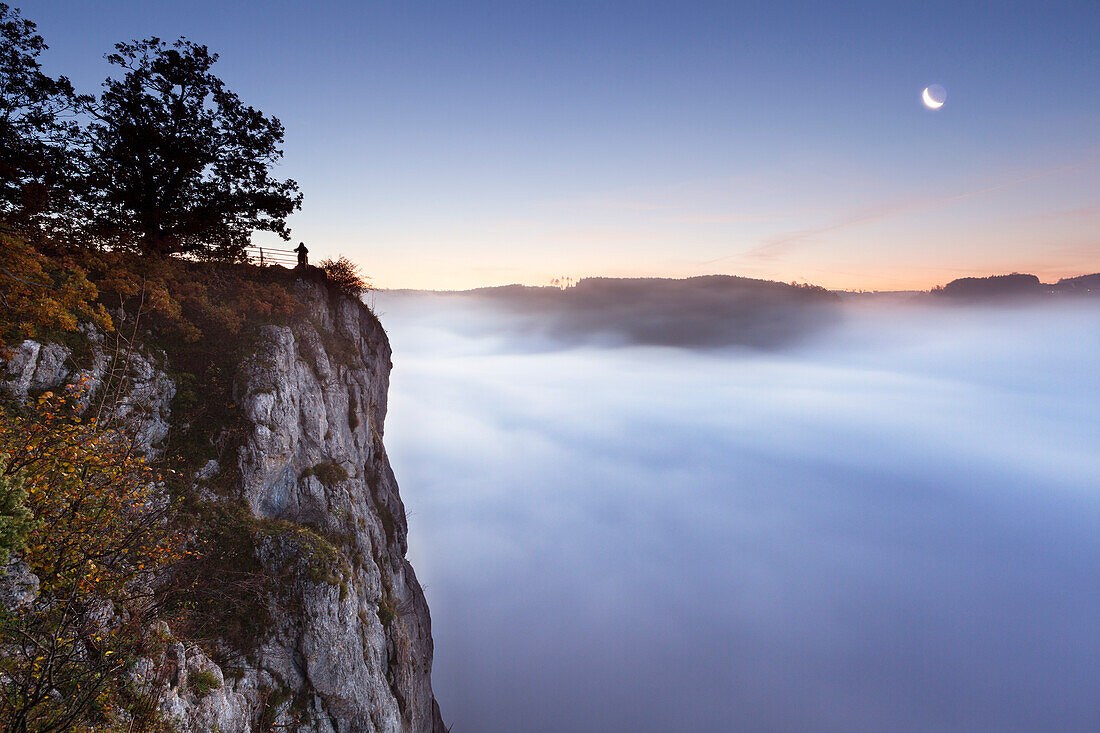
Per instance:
x=318, y=621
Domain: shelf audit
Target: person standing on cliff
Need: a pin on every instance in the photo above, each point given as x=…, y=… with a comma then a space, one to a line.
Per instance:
x=303, y=260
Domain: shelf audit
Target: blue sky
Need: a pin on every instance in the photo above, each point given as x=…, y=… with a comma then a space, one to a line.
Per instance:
x=453, y=145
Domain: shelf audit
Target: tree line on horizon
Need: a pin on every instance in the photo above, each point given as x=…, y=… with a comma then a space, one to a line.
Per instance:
x=164, y=160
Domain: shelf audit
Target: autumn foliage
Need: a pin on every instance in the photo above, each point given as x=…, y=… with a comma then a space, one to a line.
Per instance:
x=90, y=519
x=41, y=296
x=189, y=301
x=345, y=275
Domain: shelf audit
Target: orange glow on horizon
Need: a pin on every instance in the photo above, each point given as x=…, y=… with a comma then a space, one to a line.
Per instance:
x=895, y=279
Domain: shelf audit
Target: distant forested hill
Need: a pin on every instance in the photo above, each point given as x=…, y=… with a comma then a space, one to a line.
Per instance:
x=710, y=311
x=1017, y=286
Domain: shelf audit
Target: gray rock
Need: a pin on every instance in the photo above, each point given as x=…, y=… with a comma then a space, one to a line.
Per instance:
x=209, y=470
x=18, y=585
x=353, y=654
x=315, y=396
x=33, y=366
x=126, y=387
x=146, y=402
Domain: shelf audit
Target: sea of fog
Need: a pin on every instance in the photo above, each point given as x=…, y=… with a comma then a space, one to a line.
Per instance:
x=892, y=524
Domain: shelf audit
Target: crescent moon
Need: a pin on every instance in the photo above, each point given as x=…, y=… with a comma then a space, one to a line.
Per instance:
x=928, y=101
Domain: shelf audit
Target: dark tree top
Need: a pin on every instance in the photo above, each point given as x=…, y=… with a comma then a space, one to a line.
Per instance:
x=36, y=126
x=176, y=162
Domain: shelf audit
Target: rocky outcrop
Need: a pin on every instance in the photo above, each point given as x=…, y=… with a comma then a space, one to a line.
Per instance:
x=125, y=385
x=35, y=366
x=314, y=395
x=351, y=649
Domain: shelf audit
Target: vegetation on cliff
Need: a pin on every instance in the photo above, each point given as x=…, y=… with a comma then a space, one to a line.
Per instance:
x=117, y=543
x=83, y=512
x=124, y=222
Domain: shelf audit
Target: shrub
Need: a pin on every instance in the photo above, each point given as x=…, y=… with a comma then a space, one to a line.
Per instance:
x=187, y=301
x=345, y=275
x=94, y=528
x=223, y=593
x=386, y=612
x=42, y=296
x=202, y=681
x=327, y=473
x=15, y=518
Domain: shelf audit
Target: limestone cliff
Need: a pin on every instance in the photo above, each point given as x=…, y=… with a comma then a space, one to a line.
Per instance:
x=348, y=648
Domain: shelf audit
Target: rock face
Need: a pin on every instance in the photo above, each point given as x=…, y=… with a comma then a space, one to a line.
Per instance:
x=353, y=652
x=36, y=366
x=130, y=380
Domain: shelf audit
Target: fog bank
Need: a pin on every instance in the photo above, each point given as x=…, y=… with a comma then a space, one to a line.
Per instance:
x=697, y=312
x=888, y=523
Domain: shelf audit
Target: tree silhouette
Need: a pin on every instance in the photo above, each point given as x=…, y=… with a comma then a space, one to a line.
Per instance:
x=37, y=126
x=175, y=162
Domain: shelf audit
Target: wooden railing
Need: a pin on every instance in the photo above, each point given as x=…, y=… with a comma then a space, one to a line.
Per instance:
x=272, y=256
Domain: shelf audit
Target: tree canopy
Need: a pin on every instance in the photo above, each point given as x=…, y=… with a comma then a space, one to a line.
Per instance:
x=167, y=159
x=176, y=163
x=37, y=127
